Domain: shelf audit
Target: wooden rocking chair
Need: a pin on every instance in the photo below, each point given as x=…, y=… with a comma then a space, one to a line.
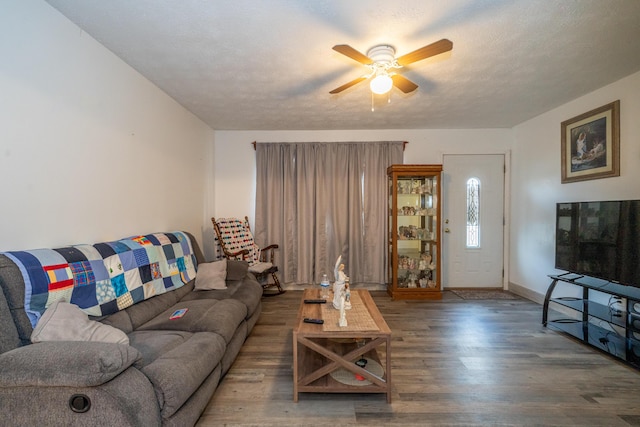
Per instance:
x=236, y=241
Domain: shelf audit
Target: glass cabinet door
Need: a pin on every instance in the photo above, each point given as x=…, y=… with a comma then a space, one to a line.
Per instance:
x=414, y=233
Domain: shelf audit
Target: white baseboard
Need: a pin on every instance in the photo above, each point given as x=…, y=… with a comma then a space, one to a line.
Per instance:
x=526, y=293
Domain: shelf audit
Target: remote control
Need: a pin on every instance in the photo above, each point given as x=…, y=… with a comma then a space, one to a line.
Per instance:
x=317, y=321
x=315, y=301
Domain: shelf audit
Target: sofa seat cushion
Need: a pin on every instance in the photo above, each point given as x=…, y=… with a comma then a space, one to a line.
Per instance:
x=153, y=344
x=248, y=292
x=220, y=316
x=144, y=311
x=130, y=318
x=177, y=363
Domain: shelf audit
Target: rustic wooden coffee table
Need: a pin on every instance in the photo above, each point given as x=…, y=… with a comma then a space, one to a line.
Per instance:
x=325, y=356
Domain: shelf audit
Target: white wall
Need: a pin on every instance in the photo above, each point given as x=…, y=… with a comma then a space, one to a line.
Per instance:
x=89, y=149
x=235, y=166
x=536, y=186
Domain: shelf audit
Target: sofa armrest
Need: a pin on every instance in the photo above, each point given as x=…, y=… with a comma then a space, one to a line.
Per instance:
x=65, y=363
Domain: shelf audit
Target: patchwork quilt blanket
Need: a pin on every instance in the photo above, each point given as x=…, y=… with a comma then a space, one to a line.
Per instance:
x=105, y=277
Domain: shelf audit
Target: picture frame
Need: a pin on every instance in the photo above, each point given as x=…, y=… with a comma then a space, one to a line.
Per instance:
x=590, y=147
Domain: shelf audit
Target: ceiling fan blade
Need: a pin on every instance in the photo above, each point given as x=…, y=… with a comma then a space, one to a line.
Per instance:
x=347, y=50
x=348, y=85
x=433, y=49
x=403, y=83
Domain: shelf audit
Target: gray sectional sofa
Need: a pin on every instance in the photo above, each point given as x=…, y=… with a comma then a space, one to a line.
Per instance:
x=156, y=371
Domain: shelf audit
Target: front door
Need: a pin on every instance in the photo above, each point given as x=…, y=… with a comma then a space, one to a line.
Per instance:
x=473, y=226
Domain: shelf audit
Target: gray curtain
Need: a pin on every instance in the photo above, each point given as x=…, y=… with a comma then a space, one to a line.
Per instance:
x=321, y=200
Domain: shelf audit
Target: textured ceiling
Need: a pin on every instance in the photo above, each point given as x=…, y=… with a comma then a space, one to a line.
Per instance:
x=268, y=64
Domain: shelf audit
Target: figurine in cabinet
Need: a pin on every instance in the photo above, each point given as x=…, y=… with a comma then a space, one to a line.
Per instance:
x=413, y=279
x=402, y=232
x=407, y=232
x=408, y=210
x=425, y=261
x=416, y=187
x=423, y=279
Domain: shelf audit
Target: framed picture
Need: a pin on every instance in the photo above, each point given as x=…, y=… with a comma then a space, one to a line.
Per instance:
x=591, y=144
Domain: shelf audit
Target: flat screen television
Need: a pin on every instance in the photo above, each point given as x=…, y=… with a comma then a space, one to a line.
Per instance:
x=600, y=239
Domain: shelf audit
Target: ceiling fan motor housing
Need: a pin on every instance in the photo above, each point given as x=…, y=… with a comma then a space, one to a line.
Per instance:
x=382, y=54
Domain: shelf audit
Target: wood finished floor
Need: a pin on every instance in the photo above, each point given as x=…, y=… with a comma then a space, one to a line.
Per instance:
x=454, y=363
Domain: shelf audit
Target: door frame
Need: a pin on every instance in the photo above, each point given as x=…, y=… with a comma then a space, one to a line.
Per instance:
x=506, y=202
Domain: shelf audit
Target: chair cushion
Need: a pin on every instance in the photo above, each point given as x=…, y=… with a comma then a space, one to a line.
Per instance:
x=211, y=275
x=260, y=267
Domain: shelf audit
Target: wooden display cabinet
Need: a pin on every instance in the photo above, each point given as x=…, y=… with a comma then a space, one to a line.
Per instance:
x=414, y=231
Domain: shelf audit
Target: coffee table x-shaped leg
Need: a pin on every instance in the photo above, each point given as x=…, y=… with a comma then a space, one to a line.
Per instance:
x=346, y=361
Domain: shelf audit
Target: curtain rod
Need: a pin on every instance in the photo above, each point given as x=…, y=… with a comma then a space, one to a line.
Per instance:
x=404, y=145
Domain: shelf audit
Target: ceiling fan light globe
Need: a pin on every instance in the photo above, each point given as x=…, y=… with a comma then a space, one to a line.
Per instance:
x=381, y=84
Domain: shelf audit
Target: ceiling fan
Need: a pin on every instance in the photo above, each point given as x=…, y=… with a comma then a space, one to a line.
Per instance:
x=382, y=63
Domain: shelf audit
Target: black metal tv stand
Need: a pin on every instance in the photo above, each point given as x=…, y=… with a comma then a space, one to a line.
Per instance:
x=613, y=328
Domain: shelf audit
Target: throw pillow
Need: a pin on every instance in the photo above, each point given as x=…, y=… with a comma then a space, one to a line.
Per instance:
x=63, y=321
x=237, y=270
x=211, y=275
